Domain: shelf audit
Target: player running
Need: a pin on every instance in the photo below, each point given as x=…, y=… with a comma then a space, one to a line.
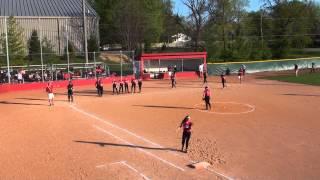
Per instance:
x=206, y=97
x=70, y=91
x=186, y=134
x=49, y=90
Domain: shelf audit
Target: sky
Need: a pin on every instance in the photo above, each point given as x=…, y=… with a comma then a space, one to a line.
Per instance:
x=180, y=8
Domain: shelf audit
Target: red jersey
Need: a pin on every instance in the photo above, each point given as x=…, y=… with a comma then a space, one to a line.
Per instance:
x=187, y=126
x=207, y=93
x=49, y=89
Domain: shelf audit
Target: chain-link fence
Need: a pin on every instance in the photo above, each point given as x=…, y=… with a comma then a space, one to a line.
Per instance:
x=49, y=66
x=41, y=49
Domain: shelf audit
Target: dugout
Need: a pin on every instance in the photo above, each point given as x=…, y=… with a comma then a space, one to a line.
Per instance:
x=157, y=65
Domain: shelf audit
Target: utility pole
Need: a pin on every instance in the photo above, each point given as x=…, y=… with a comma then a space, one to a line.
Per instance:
x=85, y=30
x=41, y=55
x=261, y=29
x=67, y=51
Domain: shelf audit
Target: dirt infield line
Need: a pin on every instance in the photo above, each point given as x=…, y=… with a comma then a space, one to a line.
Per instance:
x=141, y=138
x=144, y=151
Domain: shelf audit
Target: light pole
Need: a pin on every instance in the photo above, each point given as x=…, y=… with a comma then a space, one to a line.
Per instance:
x=7, y=49
x=67, y=49
x=261, y=24
x=41, y=55
x=85, y=31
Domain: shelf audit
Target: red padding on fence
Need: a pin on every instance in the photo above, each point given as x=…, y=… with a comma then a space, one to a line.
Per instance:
x=56, y=84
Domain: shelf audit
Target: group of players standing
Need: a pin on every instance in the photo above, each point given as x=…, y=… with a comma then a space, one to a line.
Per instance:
x=120, y=86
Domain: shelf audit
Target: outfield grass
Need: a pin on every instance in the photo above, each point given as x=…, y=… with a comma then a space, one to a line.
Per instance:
x=308, y=78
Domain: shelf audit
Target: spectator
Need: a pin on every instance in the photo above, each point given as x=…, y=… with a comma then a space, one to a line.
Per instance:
x=20, y=78
x=313, y=67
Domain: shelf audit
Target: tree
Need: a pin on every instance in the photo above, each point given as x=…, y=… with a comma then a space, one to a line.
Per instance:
x=34, y=46
x=172, y=23
x=139, y=22
x=71, y=51
x=92, y=46
x=130, y=23
x=292, y=22
x=48, y=54
x=16, y=44
x=108, y=28
x=197, y=18
x=224, y=30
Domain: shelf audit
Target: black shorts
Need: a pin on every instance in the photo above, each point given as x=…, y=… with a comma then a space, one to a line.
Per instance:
x=70, y=92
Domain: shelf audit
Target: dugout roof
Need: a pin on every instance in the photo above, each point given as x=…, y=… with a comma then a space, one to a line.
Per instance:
x=47, y=8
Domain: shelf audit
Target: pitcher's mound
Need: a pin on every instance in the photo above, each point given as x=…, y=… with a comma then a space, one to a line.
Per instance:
x=226, y=108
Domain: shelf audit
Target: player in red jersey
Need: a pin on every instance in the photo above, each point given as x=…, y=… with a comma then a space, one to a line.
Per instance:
x=114, y=87
x=99, y=86
x=133, y=85
x=240, y=74
x=223, y=80
x=186, y=134
x=121, y=86
x=140, y=84
x=126, y=86
x=49, y=90
x=206, y=97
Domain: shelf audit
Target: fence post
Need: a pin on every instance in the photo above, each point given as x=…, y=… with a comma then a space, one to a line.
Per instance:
x=41, y=56
x=121, y=65
x=95, y=66
x=7, y=49
x=133, y=64
x=68, y=58
x=182, y=65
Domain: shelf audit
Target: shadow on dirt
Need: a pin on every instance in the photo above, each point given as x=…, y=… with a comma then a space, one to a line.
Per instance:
x=103, y=144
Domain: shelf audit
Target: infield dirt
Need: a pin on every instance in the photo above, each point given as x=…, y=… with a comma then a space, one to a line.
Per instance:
x=259, y=129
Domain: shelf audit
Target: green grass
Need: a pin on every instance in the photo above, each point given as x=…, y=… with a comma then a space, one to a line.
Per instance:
x=308, y=78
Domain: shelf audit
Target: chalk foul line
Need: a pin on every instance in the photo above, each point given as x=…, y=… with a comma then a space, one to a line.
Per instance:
x=137, y=136
x=140, y=149
x=124, y=163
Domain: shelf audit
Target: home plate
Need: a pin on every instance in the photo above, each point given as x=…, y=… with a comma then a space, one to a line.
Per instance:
x=200, y=165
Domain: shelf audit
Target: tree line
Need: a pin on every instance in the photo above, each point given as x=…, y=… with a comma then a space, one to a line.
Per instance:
x=224, y=28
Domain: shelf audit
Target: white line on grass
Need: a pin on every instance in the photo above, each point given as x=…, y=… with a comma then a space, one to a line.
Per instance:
x=140, y=149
